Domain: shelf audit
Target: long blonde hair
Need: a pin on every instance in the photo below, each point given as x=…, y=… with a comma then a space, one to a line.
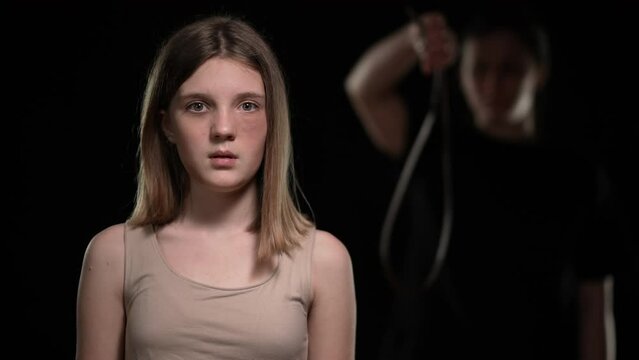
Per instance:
x=163, y=181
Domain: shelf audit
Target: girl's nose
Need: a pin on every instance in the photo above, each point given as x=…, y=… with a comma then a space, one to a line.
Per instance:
x=223, y=127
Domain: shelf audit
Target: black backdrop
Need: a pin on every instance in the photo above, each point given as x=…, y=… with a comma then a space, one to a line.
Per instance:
x=76, y=72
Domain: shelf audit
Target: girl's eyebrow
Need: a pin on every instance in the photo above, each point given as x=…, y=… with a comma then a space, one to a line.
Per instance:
x=250, y=94
x=242, y=95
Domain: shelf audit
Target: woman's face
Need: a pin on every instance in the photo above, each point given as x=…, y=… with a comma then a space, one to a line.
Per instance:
x=217, y=121
x=499, y=78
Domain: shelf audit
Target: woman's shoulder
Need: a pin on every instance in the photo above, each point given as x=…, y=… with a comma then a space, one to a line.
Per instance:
x=329, y=251
x=332, y=269
x=107, y=244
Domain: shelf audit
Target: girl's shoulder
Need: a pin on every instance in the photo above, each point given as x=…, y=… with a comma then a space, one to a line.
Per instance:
x=330, y=253
x=107, y=246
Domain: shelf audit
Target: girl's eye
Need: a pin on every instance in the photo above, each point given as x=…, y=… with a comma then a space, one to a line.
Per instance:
x=196, y=107
x=248, y=106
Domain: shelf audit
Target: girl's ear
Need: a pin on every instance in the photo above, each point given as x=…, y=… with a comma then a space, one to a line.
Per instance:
x=166, y=126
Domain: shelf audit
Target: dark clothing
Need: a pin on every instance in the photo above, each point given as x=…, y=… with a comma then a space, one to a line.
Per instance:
x=523, y=235
x=622, y=207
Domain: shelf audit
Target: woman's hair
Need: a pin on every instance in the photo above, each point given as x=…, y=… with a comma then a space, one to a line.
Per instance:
x=162, y=180
x=516, y=18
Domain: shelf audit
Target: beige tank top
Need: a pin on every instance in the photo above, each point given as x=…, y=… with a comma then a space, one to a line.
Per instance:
x=172, y=317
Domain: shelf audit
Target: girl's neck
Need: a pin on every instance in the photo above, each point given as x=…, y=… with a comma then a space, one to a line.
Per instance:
x=232, y=211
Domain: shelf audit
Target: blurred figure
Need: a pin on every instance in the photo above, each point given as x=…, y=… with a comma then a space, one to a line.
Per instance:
x=521, y=279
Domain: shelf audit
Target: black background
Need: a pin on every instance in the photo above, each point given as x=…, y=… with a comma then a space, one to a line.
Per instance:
x=76, y=73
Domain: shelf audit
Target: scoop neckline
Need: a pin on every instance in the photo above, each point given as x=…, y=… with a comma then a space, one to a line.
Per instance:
x=160, y=253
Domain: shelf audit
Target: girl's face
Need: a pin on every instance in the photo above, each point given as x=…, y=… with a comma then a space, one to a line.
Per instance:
x=217, y=121
x=499, y=78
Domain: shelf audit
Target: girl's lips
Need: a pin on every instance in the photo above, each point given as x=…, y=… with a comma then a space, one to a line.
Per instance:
x=223, y=159
x=223, y=154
